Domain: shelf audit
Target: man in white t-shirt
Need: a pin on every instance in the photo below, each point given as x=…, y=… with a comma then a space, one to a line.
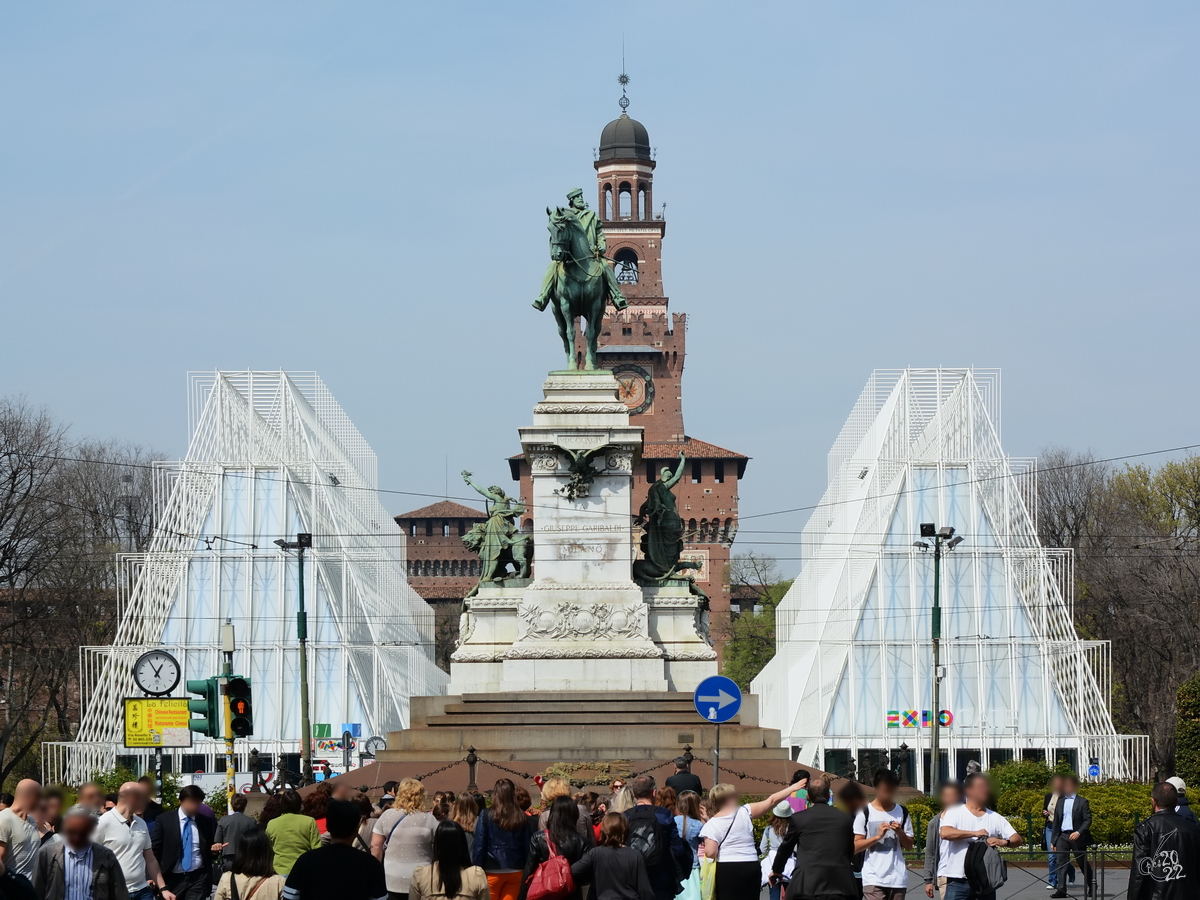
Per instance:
x=124, y=832
x=883, y=832
x=968, y=823
x=19, y=835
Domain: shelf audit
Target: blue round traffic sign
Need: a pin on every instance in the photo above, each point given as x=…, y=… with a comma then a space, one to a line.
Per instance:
x=1093, y=771
x=717, y=699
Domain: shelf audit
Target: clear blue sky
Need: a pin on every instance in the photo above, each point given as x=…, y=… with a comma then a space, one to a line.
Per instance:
x=359, y=189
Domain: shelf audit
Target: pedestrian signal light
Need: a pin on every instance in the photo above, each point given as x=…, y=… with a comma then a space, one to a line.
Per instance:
x=209, y=707
x=241, y=713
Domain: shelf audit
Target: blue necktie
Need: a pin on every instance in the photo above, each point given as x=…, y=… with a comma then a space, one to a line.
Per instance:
x=187, y=844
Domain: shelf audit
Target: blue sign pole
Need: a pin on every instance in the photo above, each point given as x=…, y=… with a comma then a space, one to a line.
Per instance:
x=717, y=699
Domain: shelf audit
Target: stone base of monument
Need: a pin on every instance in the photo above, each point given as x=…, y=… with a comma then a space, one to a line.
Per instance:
x=627, y=732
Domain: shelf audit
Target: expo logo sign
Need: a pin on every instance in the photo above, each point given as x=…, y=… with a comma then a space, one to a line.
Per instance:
x=907, y=718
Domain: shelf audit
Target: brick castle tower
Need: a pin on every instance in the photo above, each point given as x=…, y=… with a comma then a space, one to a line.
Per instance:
x=644, y=346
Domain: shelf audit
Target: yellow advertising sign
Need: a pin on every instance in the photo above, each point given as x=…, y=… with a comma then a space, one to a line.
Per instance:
x=157, y=722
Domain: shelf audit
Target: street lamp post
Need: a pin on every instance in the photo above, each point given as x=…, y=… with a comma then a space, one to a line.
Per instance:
x=303, y=542
x=940, y=536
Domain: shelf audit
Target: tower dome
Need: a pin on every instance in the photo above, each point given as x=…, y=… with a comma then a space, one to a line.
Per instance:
x=624, y=138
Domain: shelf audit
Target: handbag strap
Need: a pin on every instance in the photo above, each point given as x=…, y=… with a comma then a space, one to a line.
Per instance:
x=550, y=844
x=233, y=890
x=732, y=822
x=254, y=890
x=387, y=840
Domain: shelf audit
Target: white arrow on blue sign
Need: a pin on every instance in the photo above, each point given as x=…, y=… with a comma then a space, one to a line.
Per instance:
x=717, y=699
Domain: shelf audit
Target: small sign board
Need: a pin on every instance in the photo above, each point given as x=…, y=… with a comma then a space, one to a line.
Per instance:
x=1093, y=771
x=157, y=722
x=717, y=699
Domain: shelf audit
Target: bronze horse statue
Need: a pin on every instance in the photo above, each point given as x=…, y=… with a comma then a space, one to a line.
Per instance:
x=580, y=288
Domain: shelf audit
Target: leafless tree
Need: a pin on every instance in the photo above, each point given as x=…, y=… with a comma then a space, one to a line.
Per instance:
x=1138, y=578
x=64, y=514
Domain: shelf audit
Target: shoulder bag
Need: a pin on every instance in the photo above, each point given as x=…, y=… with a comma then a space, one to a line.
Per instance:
x=552, y=879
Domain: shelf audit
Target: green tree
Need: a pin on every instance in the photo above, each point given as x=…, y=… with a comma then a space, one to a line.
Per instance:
x=756, y=585
x=1187, y=731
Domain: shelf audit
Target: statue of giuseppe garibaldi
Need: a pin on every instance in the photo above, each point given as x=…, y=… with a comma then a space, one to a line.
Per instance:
x=579, y=281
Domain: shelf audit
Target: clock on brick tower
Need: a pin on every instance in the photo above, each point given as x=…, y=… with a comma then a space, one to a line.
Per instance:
x=644, y=346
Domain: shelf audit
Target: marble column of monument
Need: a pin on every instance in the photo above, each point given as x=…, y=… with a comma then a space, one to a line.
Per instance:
x=582, y=623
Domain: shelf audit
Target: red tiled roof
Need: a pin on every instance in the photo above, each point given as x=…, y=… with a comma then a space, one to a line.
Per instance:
x=442, y=591
x=444, y=509
x=691, y=448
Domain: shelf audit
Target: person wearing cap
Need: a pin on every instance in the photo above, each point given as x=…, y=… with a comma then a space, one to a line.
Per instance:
x=590, y=223
x=1184, y=808
x=76, y=868
x=683, y=779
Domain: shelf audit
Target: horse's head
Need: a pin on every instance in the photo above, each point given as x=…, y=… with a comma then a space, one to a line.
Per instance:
x=560, y=238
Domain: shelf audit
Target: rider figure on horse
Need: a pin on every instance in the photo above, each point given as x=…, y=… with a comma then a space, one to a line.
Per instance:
x=590, y=223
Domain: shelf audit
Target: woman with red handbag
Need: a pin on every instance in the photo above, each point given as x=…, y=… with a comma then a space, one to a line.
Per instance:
x=552, y=853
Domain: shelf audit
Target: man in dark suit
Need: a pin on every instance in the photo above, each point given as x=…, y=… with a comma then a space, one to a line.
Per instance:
x=823, y=840
x=1071, y=834
x=182, y=842
x=683, y=779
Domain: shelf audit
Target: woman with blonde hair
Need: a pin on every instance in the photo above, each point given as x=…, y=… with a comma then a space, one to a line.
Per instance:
x=622, y=801
x=551, y=791
x=729, y=839
x=501, y=844
x=403, y=838
x=615, y=871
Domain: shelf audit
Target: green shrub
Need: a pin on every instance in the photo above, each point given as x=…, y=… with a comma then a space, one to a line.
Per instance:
x=1116, y=806
x=1187, y=731
x=112, y=780
x=218, y=800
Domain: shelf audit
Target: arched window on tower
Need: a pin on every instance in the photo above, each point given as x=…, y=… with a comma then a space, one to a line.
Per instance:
x=625, y=264
x=625, y=209
x=608, y=202
x=641, y=203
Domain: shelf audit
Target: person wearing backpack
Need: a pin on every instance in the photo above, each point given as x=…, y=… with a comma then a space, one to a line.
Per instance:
x=558, y=846
x=614, y=870
x=966, y=824
x=652, y=833
x=882, y=833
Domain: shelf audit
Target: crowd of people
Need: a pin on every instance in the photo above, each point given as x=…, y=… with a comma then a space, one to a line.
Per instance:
x=638, y=841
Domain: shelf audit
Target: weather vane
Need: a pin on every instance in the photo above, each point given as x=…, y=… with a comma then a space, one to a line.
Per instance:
x=623, y=81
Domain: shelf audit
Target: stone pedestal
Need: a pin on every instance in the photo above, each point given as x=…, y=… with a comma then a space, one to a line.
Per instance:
x=583, y=623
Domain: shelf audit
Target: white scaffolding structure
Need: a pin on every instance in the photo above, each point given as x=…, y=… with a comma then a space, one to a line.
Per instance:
x=853, y=635
x=270, y=455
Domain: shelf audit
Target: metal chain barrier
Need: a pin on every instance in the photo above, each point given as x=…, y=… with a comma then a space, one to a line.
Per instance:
x=439, y=771
x=743, y=776
x=497, y=765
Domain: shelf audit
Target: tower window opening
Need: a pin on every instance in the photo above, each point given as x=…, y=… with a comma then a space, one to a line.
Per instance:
x=608, y=203
x=626, y=266
x=627, y=332
x=719, y=471
x=641, y=203
x=650, y=473
x=412, y=529
x=445, y=529
x=696, y=471
x=625, y=200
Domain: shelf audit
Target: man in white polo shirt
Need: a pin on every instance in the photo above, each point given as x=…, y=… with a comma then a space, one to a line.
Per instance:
x=883, y=832
x=124, y=832
x=963, y=825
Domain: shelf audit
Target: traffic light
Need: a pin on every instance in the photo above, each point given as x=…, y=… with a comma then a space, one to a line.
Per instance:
x=241, y=711
x=209, y=708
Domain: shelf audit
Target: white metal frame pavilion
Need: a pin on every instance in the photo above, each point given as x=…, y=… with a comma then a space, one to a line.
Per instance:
x=271, y=454
x=852, y=673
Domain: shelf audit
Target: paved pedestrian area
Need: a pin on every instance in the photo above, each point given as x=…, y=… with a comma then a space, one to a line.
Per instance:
x=1030, y=884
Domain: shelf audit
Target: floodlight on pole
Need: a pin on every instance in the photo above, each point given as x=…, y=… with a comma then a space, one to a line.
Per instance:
x=942, y=537
x=303, y=542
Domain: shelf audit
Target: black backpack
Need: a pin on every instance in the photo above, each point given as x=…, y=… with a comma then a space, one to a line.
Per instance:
x=645, y=836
